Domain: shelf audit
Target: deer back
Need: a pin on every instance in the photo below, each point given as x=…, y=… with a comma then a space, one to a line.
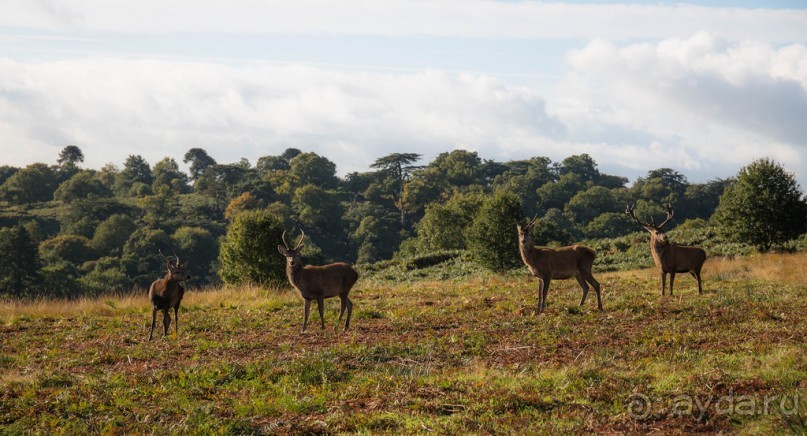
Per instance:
x=677, y=258
x=324, y=280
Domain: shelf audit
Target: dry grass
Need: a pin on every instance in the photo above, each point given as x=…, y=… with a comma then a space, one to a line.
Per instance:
x=449, y=356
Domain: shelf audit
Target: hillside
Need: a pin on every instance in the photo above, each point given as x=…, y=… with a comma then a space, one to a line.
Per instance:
x=443, y=356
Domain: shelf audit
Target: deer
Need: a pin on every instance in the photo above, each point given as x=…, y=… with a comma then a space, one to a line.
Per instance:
x=166, y=293
x=668, y=257
x=560, y=263
x=316, y=283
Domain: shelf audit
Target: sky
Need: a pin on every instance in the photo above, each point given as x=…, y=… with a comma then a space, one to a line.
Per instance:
x=703, y=87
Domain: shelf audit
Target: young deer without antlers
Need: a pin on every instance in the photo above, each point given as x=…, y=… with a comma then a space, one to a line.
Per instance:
x=557, y=263
x=671, y=258
x=167, y=293
x=319, y=282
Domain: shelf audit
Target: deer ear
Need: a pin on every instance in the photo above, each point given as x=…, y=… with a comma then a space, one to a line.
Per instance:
x=300, y=247
x=282, y=250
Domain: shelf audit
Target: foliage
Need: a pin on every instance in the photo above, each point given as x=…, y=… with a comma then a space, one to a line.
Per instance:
x=112, y=233
x=82, y=185
x=443, y=226
x=19, y=262
x=199, y=161
x=763, y=207
x=34, y=183
x=200, y=248
x=141, y=258
x=248, y=253
x=71, y=248
x=491, y=237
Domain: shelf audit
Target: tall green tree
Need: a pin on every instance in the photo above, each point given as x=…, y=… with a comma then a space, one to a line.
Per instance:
x=199, y=161
x=19, y=262
x=82, y=185
x=763, y=207
x=136, y=172
x=248, y=253
x=34, y=183
x=492, y=237
x=167, y=173
x=395, y=170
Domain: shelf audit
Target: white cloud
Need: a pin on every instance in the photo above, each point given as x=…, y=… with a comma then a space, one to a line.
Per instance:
x=708, y=104
x=463, y=18
x=700, y=105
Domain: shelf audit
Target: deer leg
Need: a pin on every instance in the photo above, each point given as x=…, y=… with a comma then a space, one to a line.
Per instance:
x=321, y=308
x=349, y=311
x=307, y=310
x=583, y=285
x=176, y=319
x=342, y=307
x=545, y=292
x=663, y=282
x=697, y=275
x=672, y=279
x=166, y=322
x=594, y=283
x=540, y=295
x=153, y=321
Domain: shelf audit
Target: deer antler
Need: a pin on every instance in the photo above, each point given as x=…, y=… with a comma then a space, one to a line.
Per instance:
x=283, y=236
x=165, y=257
x=629, y=209
x=670, y=214
x=302, y=237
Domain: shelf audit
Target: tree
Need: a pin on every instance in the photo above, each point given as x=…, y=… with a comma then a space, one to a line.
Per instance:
x=492, y=237
x=395, y=170
x=141, y=255
x=581, y=165
x=317, y=207
x=610, y=225
x=82, y=185
x=19, y=262
x=663, y=185
x=200, y=248
x=443, y=226
x=71, y=248
x=313, y=169
x=459, y=168
x=70, y=155
x=135, y=171
x=248, y=253
x=166, y=173
x=112, y=233
x=589, y=204
x=34, y=183
x=763, y=207
x=199, y=160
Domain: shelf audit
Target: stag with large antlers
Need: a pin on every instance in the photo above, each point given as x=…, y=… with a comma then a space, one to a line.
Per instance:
x=316, y=283
x=557, y=263
x=671, y=258
x=166, y=293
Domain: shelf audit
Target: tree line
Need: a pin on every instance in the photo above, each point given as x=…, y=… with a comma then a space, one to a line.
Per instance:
x=68, y=230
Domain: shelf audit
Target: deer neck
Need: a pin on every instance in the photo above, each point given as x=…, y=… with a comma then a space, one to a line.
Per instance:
x=294, y=272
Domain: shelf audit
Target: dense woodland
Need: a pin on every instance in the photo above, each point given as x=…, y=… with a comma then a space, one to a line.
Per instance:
x=69, y=230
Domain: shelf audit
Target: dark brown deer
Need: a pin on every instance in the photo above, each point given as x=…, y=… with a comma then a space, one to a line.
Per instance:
x=557, y=263
x=316, y=283
x=671, y=258
x=166, y=293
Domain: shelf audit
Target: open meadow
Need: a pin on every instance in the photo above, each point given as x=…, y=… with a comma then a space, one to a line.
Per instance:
x=450, y=356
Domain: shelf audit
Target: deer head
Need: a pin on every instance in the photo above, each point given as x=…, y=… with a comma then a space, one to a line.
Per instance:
x=293, y=259
x=657, y=235
x=176, y=270
x=525, y=232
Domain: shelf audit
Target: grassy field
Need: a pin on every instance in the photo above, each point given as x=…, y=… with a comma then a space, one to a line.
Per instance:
x=428, y=356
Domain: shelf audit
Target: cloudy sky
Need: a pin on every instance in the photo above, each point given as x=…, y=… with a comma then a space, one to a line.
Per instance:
x=702, y=87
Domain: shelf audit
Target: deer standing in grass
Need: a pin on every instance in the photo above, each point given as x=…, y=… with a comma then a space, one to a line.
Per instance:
x=316, y=283
x=671, y=258
x=166, y=293
x=557, y=263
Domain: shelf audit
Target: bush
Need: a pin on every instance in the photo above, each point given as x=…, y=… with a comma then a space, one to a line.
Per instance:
x=763, y=207
x=492, y=237
x=249, y=254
